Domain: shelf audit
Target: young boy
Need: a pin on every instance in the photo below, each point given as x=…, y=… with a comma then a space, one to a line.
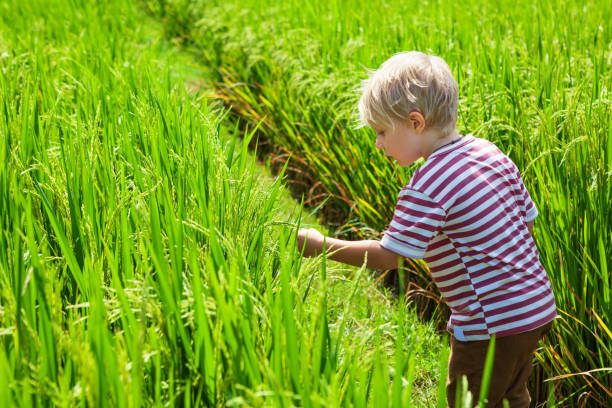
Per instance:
x=466, y=212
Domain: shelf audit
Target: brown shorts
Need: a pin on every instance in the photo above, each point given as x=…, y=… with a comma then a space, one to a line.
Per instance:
x=511, y=367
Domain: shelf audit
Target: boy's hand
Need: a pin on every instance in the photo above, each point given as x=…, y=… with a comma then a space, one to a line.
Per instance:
x=311, y=240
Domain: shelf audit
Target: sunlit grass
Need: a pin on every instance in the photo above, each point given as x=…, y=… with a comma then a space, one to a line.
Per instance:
x=144, y=261
x=531, y=79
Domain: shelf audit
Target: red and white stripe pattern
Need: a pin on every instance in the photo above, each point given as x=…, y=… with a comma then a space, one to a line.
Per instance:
x=465, y=212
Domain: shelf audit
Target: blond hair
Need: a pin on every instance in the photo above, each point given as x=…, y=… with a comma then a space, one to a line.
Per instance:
x=407, y=82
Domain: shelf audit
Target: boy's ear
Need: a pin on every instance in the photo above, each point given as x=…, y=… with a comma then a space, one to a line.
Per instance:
x=417, y=121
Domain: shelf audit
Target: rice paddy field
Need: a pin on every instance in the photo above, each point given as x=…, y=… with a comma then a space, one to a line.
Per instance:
x=147, y=259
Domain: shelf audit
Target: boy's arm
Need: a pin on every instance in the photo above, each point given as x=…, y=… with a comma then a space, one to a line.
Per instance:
x=348, y=252
x=530, y=227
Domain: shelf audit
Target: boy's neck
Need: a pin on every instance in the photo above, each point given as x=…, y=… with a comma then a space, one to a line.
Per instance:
x=435, y=139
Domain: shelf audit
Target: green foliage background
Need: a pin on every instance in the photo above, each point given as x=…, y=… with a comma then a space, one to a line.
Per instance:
x=534, y=78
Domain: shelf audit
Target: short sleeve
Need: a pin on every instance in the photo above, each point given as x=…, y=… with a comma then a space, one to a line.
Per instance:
x=530, y=208
x=416, y=220
x=527, y=206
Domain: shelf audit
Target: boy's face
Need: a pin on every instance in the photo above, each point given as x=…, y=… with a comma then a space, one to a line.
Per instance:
x=401, y=142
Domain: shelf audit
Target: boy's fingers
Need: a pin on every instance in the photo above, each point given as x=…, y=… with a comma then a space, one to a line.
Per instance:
x=302, y=240
x=306, y=238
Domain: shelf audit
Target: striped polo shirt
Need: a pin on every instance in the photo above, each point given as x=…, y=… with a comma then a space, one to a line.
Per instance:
x=465, y=212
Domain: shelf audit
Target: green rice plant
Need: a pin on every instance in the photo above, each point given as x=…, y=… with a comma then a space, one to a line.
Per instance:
x=531, y=80
x=145, y=261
